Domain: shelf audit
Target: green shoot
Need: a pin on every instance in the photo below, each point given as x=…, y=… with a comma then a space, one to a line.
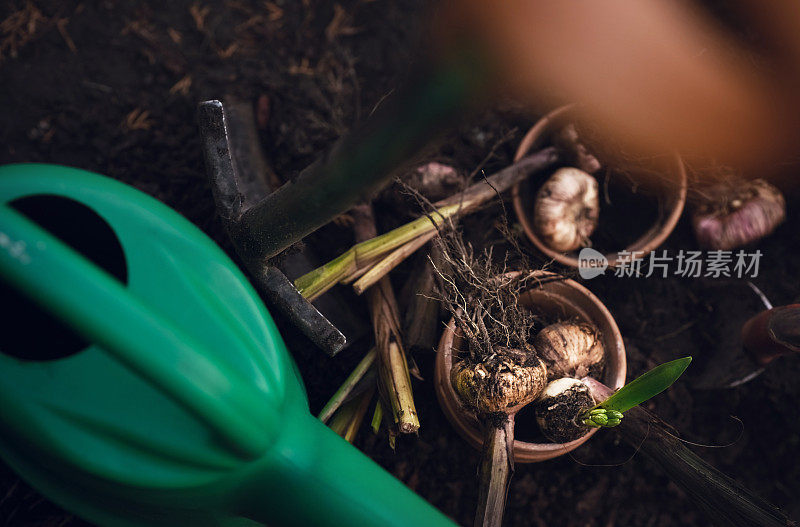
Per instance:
x=347, y=387
x=377, y=416
x=609, y=412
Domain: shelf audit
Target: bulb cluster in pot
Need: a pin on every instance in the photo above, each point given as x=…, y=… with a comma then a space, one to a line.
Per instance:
x=510, y=379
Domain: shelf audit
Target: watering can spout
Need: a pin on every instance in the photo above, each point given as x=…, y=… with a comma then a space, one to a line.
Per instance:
x=314, y=477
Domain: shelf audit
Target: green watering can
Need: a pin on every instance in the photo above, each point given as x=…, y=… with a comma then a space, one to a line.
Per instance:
x=154, y=388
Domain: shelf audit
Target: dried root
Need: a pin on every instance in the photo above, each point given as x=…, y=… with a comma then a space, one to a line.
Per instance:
x=484, y=298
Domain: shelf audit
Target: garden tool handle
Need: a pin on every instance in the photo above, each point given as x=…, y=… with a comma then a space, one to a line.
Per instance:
x=772, y=333
x=101, y=309
x=362, y=161
x=317, y=478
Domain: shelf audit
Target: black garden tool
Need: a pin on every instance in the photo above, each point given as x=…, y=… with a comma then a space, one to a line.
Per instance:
x=262, y=223
x=241, y=178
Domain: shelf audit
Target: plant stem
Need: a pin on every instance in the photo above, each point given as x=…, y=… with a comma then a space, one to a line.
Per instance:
x=393, y=375
x=372, y=251
x=377, y=416
x=496, y=469
x=420, y=325
x=314, y=283
x=725, y=502
x=369, y=251
x=491, y=186
x=396, y=381
x=395, y=258
x=348, y=419
x=347, y=386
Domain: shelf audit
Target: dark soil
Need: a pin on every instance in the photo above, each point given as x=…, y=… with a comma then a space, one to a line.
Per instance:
x=112, y=87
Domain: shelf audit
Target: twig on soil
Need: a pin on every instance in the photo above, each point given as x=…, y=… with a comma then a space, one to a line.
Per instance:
x=20, y=28
x=62, y=28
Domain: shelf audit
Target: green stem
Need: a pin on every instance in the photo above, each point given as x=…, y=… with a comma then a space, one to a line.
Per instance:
x=377, y=417
x=314, y=283
x=311, y=285
x=347, y=386
x=348, y=419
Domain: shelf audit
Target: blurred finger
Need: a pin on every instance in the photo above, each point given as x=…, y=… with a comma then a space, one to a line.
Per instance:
x=653, y=74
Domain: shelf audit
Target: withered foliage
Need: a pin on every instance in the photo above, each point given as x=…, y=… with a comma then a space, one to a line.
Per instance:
x=20, y=28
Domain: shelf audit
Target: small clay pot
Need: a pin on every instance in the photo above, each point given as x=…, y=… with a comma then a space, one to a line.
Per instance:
x=555, y=299
x=671, y=200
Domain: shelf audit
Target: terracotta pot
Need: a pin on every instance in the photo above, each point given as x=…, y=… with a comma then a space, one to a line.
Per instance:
x=555, y=299
x=671, y=201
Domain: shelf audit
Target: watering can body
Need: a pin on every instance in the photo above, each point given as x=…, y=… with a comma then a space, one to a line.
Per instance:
x=184, y=407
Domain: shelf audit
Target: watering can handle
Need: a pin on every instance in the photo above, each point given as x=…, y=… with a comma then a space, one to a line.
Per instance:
x=317, y=478
x=102, y=310
x=304, y=475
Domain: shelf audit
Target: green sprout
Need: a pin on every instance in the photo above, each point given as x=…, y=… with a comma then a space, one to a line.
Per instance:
x=600, y=417
x=609, y=412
